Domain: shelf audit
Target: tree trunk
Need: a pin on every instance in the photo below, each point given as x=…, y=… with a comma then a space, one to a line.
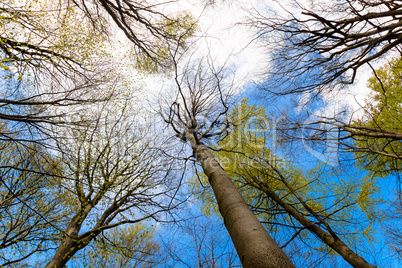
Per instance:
x=71, y=242
x=255, y=247
x=66, y=250
x=334, y=242
x=69, y=247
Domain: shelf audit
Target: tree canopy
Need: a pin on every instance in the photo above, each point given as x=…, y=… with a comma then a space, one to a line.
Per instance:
x=105, y=104
x=318, y=44
x=293, y=203
x=378, y=133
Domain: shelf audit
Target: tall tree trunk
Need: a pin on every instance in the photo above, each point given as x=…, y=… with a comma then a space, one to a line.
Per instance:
x=71, y=241
x=331, y=240
x=255, y=247
x=67, y=248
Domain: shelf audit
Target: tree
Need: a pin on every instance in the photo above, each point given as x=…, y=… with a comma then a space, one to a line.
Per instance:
x=143, y=23
x=393, y=231
x=280, y=193
x=57, y=56
x=378, y=134
x=374, y=137
x=316, y=45
x=131, y=246
x=50, y=57
x=56, y=65
x=64, y=33
x=320, y=46
x=195, y=115
x=112, y=176
x=29, y=202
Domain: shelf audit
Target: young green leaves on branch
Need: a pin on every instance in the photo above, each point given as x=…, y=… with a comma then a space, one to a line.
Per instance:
x=378, y=134
x=112, y=176
x=296, y=205
x=198, y=113
x=31, y=214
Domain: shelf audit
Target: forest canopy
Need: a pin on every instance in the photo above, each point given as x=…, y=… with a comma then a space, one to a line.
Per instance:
x=200, y=133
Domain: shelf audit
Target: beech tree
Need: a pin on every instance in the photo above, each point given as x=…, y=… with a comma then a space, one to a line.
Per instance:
x=55, y=65
x=30, y=213
x=112, y=176
x=63, y=34
x=320, y=44
x=374, y=137
x=377, y=135
x=126, y=246
x=198, y=113
x=57, y=56
x=49, y=54
x=292, y=203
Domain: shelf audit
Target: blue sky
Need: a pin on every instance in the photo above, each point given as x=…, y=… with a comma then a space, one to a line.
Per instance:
x=230, y=44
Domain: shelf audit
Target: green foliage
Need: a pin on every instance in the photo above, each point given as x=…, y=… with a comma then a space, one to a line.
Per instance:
x=349, y=205
x=180, y=28
x=30, y=211
x=110, y=178
x=127, y=246
x=38, y=33
x=381, y=155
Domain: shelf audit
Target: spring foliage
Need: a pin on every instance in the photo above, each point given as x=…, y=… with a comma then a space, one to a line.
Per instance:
x=382, y=156
x=347, y=203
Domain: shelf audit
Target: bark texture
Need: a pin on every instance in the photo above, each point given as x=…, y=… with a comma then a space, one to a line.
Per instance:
x=71, y=242
x=255, y=247
x=332, y=240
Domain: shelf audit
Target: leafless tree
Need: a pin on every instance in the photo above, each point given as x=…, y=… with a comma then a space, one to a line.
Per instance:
x=196, y=114
x=319, y=44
